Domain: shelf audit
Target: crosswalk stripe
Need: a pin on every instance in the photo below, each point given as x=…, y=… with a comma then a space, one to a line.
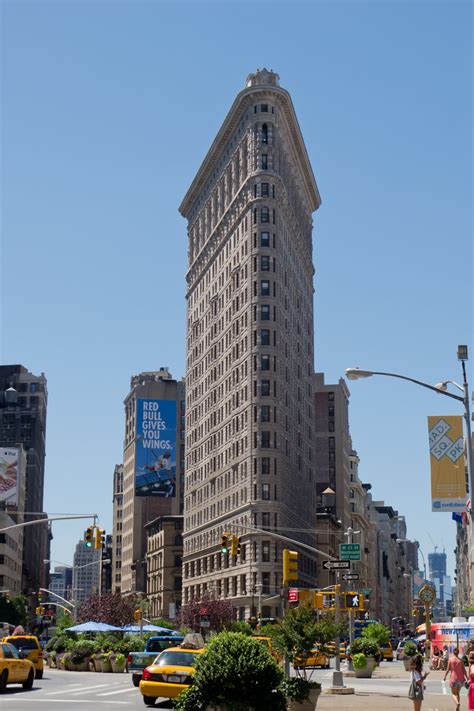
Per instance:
x=119, y=691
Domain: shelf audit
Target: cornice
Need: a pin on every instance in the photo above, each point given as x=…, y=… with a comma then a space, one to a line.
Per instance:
x=241, y=103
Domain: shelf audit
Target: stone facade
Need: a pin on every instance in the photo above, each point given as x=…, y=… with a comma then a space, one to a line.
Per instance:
x=249, y=451
x=164, y=565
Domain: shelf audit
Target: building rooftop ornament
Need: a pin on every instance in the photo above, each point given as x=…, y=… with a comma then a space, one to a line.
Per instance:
x=263, y=76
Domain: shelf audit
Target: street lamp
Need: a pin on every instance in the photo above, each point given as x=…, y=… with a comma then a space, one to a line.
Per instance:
x=442, y=389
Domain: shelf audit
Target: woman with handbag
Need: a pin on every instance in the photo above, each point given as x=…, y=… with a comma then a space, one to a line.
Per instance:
x=415, y=692
x=458, y=676
x=470, y=696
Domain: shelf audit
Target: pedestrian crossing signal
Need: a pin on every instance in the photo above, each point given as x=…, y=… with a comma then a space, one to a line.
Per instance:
x=354, y=601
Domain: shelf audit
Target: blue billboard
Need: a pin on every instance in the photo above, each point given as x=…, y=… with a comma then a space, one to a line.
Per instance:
x=155, y=448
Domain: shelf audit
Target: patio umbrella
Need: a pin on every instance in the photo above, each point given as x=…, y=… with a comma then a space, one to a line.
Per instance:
x=93, y=627
x=148, y=628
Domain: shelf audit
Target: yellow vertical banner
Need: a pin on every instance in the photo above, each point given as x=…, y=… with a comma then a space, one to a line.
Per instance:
x=448, y=474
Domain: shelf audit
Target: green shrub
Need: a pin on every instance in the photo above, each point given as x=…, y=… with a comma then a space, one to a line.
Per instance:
x=235, y=672
x=82, y=649
x=365, y=646
x=359, y=661
x=238, y=626
x=376, y=632
x=297, y=689
x=410, y=649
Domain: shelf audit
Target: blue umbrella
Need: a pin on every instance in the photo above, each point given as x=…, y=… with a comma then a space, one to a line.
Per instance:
x=148, y=628
x=93, y=627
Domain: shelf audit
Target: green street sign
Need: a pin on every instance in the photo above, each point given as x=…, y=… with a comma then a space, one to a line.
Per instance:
x=349, y=551
x=365, y=591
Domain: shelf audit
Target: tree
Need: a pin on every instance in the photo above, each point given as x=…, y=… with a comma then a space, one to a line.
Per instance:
x=299, y=632
x=376, y=632
x=111, y=608
x=14, y=610
x=219, y=612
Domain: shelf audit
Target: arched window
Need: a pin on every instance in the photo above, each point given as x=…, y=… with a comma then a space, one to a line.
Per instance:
x=264, y=133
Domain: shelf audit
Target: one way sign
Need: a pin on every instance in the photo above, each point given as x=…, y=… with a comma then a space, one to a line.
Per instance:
x=337, y=564
x=350, y=576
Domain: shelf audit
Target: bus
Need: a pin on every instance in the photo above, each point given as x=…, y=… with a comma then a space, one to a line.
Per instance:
x=450, y=634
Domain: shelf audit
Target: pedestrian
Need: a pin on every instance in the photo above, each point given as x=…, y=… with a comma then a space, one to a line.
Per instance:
x=458, y=676
x=416, y=690
x=470, y=697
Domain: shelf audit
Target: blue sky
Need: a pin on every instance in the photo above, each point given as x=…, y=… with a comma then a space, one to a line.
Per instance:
x=108, y=110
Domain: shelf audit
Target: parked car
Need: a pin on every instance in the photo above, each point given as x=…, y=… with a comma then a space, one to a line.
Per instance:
x=170, y=673
x=14, y=669
x=138, y=661
x=315, y=659
x=29, y=645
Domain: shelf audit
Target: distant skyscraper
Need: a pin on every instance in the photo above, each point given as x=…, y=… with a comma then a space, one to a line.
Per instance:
x=117, y=523
x=85, y=573
x=249, y=454
x=23, y=404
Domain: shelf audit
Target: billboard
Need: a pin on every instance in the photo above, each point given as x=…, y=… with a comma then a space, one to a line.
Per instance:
x=448, y=476
x=155, y=448
x=9, y=465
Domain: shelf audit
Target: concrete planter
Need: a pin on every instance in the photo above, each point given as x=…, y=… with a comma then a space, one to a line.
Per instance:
x=307, y=705
x=106, y=666
x=118, y=668
x=366, y=672
x=97, y=662
x=407, y=663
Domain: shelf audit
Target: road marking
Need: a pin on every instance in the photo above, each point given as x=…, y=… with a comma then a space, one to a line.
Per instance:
x=68, y=700
x=79, y=689
x=119, y=691
x=90, y=689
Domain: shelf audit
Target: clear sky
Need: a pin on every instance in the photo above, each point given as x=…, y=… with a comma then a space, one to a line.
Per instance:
x=108, y=109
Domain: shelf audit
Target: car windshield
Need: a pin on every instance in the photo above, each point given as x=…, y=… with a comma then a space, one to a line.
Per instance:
x=175, y=659
x=25, y=643
x=158, y=645
x=9, y=651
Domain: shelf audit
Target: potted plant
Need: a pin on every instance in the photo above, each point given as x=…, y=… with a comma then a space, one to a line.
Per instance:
x=295, y=637
x=117, y=661
x=235, y=673
x=409, y=650
x=369, y=649
x=362, y=670
x=106, y=663
x=96, y=661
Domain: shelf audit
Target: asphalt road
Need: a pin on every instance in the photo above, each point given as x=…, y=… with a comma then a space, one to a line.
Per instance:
x=63, y=691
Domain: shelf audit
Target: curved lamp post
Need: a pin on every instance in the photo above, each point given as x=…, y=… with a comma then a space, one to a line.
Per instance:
x=441, y=389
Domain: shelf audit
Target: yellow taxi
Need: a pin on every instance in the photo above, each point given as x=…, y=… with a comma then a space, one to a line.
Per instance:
x=316, y=659
x=29, y=645
x=268, y=643
x=13, y=669
x=171, y=672
x=387, y=651
x=331, y=650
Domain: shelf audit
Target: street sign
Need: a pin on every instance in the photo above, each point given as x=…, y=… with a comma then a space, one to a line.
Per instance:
x=336, y=564
x=205, y=621
x=350, y=576
x=349, y=551
x=365, y=591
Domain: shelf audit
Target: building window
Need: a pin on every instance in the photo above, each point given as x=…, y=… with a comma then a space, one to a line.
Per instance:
x=265, y=362
x=265, y=312
x=265, y=387
x=265, y=492
x=264, y=108
x=265, y=583
x=266, y=519
x=265, y=551
x=265, y=413
x=331, y=410
x=264, y=133
x=332, y=442
x=264, y=162
x=265, y=337
x=330, y=396
x=265, y=287
x=264, y=239
x=265, y=465
x=332, y=456
x=264, y=263
x=264, y=214
x=331, y=426
x=264, y=189
x=266, y=439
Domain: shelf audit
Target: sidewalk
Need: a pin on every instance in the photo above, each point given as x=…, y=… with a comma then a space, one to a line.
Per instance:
x=390, y=700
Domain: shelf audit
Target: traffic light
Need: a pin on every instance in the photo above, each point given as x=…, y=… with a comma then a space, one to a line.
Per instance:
x=225, y=543
x=88, y=536
x=137, y=615
x=40, y=610
x=99, y=539
x=290, y=565
x=317, y=602
x=239, y=545
x=354, y=601
x=233, y=545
